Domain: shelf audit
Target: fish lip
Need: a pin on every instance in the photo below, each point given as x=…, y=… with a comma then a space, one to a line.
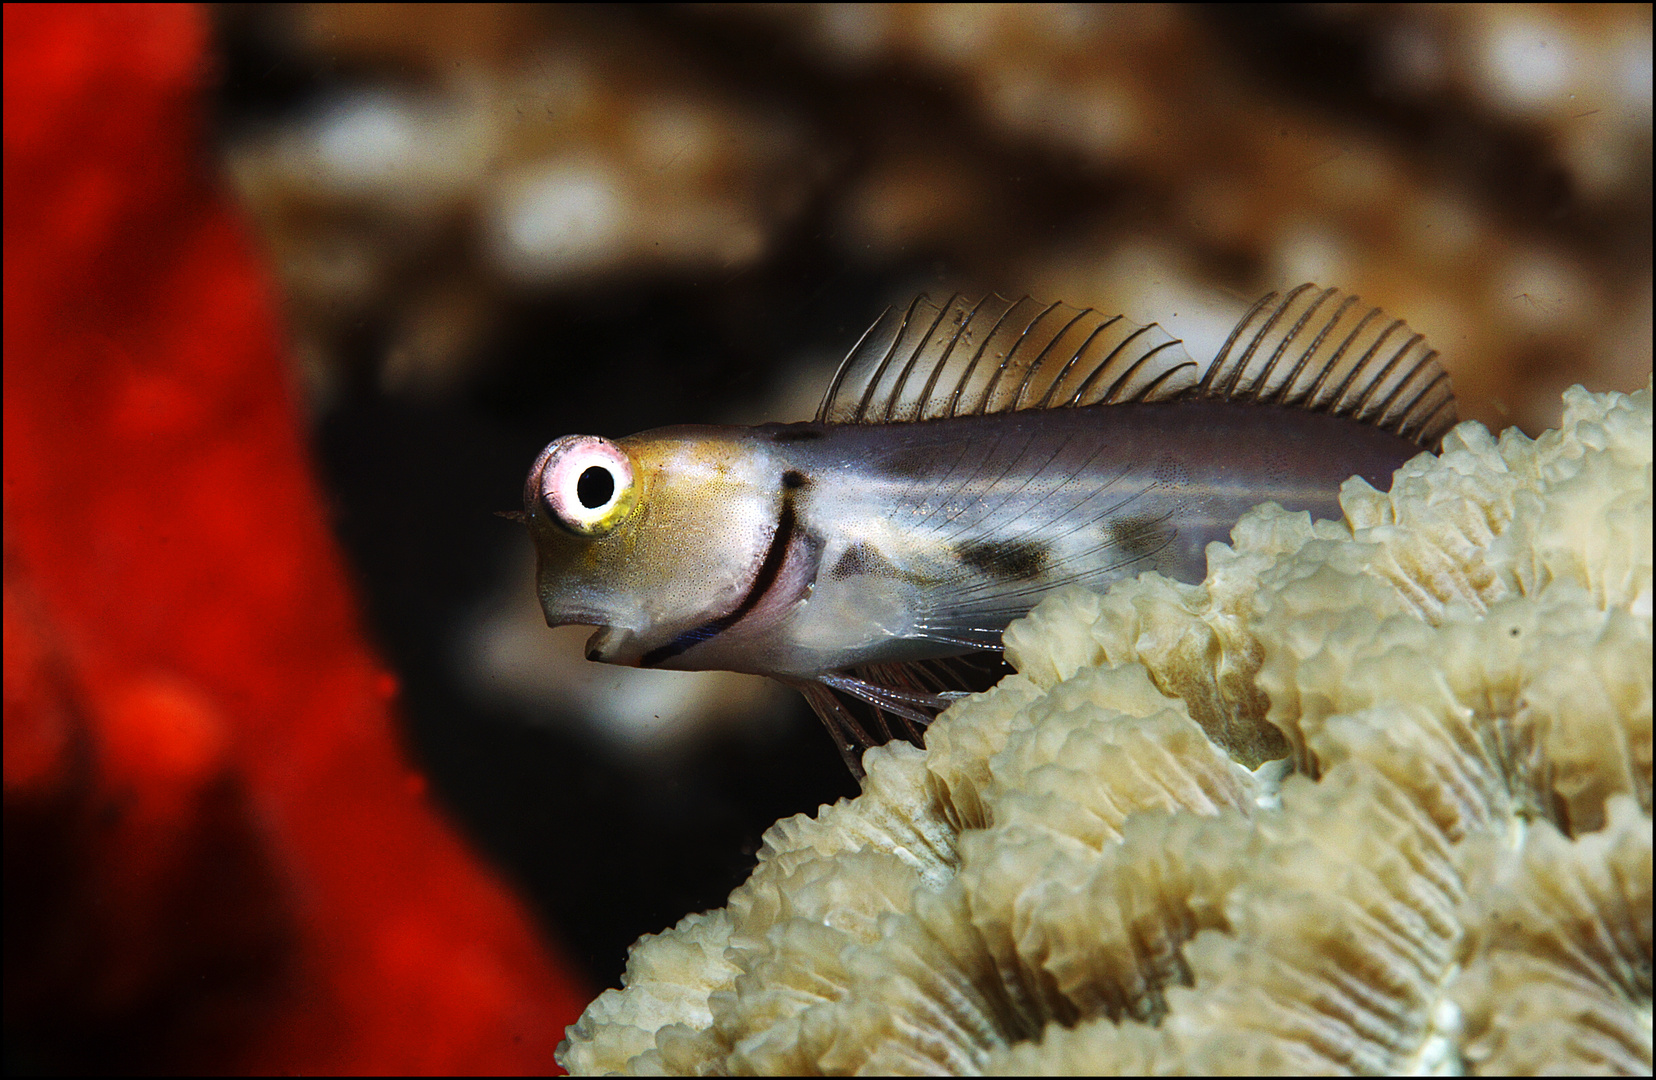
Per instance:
x=561, y=610
x=614, y=645
x=609, y=644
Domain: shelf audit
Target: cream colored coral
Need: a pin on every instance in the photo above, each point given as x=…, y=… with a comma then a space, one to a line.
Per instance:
x=1094, y=868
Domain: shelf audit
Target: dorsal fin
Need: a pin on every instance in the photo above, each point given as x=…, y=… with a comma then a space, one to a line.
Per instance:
x=1322, y=350
x=1310, y=348
x=999, y=355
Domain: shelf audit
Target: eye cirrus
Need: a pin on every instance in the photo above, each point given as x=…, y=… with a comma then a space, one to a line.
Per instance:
x=586, y=484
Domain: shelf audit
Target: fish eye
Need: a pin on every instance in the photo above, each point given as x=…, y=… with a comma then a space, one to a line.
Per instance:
x=596, y=487
x=584, y=483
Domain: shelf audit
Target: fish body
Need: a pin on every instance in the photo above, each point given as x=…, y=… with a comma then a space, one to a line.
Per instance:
x=893, y=542
x=968, y=460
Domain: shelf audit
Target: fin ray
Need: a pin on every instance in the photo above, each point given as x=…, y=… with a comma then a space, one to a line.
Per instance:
x=1000, y=355
x=1324, y=350
x=846, y=731
x=1309, y=348
x=911, y=692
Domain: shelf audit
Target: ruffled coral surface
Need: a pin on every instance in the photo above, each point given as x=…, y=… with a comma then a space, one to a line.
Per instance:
x=1374, y=797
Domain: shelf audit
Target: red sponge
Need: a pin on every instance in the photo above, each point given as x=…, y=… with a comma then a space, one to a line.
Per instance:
x=217, y=855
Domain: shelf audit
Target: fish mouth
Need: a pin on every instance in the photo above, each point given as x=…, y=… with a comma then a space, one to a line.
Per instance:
x=614, y=645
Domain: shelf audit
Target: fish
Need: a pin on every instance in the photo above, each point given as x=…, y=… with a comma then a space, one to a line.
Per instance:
x=968, y=459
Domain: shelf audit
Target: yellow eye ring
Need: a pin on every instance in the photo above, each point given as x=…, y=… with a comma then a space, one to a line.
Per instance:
x=584, y=483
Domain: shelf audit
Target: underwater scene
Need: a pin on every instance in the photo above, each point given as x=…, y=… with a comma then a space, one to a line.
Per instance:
x=487, y=484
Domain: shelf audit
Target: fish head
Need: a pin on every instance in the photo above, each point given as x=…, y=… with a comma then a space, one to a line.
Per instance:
x=647, y=537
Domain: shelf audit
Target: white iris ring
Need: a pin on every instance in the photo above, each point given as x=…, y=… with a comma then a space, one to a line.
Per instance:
x=578, y=466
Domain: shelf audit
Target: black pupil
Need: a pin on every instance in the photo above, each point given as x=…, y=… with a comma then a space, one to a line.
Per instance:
x=595, y=487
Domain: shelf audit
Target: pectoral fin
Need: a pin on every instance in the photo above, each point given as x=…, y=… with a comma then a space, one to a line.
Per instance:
x=912, y=692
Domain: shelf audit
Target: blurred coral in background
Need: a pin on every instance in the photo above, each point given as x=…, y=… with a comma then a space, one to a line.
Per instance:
x=217, y=856
x=1482, y=170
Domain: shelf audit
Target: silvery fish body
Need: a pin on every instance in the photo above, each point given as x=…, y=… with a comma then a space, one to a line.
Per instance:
x=968, y=460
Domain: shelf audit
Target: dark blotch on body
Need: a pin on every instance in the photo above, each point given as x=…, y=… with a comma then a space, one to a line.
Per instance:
x=794, y=479
x=928, y=461
x=1009, y=560
x=1140, y=537
x=862, y=559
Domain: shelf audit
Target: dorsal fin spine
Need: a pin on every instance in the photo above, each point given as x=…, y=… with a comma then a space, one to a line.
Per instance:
x=1229, y=389
x=1006, y=361
x=1371, y=384
x=1205, y=387
x=1169, y=373
x=997, y=355
x=1063, y=373
x=1384, y=409
x=1263, y=381
x=1338, y=398
x=1222, y=383
x=971, y=366
x=1085, y=345
x=1035, y=366
x=1391, y=399
x=948, y=350
x=1315, y=390
x=1086, y=384
x=1287, y=387
x=989, y=391
x=897, y=339
x=908, y=367
x=1429, y=421
x=987, y=394
x=1110, y=391
x=1109, y=395
x=895, y=395
x=902, y=378
x=839, y=376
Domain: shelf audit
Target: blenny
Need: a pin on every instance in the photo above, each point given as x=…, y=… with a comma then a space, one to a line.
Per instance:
x=968, y=459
